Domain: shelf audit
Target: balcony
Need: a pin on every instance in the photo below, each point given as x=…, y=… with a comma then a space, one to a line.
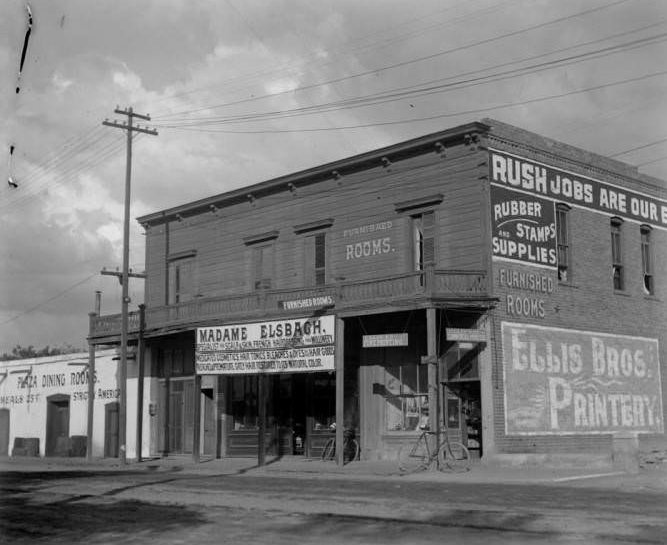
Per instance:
x=416, y=289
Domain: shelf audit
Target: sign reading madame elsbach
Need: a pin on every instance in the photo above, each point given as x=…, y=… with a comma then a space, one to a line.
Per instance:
x=565, y=381
x=283, y=346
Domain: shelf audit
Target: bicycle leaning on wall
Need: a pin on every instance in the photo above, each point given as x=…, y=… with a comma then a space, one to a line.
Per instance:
x=350, y=446
x=417, y=455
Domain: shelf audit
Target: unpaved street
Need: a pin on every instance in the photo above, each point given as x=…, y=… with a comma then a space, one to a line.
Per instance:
x=172, y=506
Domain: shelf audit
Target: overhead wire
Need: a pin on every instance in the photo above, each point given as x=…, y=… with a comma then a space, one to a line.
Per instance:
x=436, y=116
x=387, y=96
x=375, y=71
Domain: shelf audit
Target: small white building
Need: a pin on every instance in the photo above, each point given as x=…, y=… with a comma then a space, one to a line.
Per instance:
x=44, y=406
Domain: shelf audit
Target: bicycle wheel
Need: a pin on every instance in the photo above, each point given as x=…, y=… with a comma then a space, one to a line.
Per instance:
x=455, y=456
x=329, y=450
x=413, y=456
x=351, y=450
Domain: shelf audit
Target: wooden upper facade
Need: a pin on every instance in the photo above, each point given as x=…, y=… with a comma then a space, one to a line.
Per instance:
x=406, y=226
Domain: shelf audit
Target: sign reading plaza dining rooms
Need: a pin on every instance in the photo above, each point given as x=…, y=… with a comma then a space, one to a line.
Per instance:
x=564, y=381
x=283, y=346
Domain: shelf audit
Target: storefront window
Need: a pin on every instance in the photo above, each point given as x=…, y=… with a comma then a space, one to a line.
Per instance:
x=244, y=403
x=462, y=362
x=406, y=402
x=324, y=402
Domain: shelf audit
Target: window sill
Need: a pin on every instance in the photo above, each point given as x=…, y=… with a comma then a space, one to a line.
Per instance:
x=568, y=285
x=624, y=293
x=652, y=297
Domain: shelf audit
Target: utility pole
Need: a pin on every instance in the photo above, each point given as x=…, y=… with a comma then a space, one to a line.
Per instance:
x=130, y=128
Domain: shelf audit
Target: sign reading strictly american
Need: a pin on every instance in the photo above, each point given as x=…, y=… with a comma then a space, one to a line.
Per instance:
x=524, y=227
x=564, y=381
x=533, y=178
x=283, y=346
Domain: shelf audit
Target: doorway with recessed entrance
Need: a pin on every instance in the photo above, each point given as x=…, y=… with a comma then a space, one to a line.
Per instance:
x=57, y=425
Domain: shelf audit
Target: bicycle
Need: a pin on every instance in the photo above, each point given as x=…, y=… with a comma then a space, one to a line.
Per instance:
x=350, y=446
x=418, y=455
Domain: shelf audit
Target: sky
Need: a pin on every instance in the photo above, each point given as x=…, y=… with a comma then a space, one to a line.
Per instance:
x=245, y=91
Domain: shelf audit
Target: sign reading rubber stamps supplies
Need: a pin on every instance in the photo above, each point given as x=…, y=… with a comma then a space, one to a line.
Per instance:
x=524, y=228
x=282, y=346
x=564, y=381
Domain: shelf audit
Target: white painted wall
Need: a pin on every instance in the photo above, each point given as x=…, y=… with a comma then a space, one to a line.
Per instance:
x=66, y=374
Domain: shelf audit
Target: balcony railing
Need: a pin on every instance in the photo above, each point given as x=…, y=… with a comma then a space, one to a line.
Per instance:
x=421, y=285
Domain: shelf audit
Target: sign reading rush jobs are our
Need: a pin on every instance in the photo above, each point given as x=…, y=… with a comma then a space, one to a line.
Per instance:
x=564, y=381
x=283, y=346
x=524, y=194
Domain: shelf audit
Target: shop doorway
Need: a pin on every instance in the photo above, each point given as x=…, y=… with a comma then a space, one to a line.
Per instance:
x=4, y=432
x=208, y=422
x=463, y=414
x=57, y=425
x=299, y=409
x=111, y=421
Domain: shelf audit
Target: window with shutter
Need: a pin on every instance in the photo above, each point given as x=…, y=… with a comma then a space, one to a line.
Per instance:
x=423, y=226
x=181, y=281
x=616, y=255
x=647, y=269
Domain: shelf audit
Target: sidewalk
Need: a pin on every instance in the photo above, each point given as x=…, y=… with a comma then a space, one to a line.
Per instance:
x=652, y=478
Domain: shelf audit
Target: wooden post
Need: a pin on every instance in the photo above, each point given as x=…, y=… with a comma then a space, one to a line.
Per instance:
x=433, y=386
x=339, y=356
x=261, y=417
x=91, y=390
x=141, y=346
x=196, y=430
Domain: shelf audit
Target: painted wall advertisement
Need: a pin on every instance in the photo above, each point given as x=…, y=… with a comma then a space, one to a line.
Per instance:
x=539, y=180
x=284, y=346
x=563, y=381
x=524, y=228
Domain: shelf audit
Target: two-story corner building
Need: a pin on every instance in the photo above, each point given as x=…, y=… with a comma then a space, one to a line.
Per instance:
x=483, y=278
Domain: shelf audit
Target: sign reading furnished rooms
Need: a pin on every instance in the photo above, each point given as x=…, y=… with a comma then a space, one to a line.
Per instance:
x=564, y=381
x=283, y=346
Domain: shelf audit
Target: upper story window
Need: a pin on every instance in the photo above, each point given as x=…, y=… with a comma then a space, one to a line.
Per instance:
x=423, y=233
x=563, y=242
x=647, y=267
x=315, y=250
x=263, y=266
x=616, y=253
x=316, y=256
x=262, y=257
x=182, y=279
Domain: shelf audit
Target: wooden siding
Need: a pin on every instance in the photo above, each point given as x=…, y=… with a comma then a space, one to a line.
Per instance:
x=224, y=264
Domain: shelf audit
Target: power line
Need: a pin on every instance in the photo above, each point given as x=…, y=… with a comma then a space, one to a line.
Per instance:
x=433, y=117
x=639, y=147
x=40, y=305
x=375, y=71
x=389, y=96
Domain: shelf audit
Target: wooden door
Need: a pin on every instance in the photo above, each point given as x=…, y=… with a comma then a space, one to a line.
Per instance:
x=57, y=425
x=111, y=427
x=208, y=422
x=4, y=432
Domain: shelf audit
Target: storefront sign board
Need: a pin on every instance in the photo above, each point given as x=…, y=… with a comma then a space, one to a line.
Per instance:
x=465, y=335
x=281, y=346
x=565, y=381
x=387, y=339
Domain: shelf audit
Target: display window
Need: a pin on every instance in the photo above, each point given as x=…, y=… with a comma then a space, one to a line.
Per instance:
x=406, y=400
x=244, y=403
